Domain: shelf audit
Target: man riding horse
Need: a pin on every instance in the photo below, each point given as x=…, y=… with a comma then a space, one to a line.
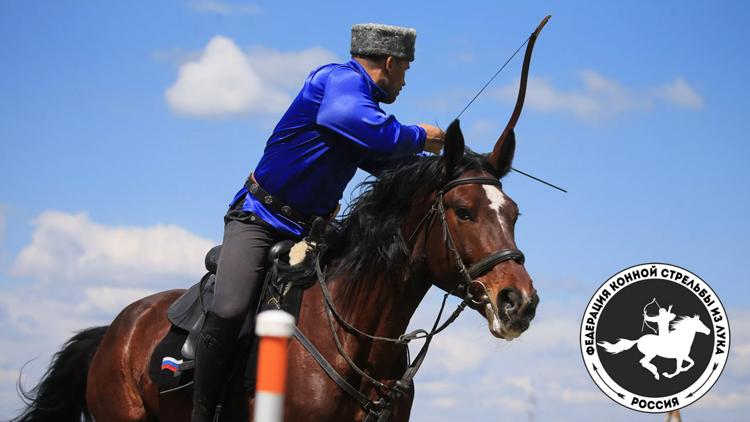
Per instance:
x=334, y=126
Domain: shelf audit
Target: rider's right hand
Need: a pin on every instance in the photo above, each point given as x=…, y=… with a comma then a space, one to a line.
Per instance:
x=435, y=138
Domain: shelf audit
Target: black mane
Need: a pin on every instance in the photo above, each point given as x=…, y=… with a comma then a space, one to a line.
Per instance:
x=368, y=239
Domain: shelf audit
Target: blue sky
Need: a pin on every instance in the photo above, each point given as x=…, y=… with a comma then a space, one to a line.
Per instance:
x=117, y=165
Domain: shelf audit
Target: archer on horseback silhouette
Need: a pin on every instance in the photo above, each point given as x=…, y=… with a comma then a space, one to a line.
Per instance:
x=671, y=344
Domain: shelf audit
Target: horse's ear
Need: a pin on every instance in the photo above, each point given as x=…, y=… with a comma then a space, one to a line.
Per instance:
x=502, y=160
x=454, y=147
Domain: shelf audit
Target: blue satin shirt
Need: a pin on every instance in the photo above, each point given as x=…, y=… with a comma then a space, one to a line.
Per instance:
x=334, y=126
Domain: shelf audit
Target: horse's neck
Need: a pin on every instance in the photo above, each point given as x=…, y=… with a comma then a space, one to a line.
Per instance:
x=683, y=335
x=379, y=307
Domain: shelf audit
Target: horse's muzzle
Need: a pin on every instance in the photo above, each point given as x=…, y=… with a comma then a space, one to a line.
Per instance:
x=511, y=313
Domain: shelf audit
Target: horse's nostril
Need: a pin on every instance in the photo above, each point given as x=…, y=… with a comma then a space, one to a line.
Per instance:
x=531, y=308
x=509, y=300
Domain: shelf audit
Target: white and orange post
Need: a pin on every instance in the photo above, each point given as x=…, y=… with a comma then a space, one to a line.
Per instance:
x=274, y=329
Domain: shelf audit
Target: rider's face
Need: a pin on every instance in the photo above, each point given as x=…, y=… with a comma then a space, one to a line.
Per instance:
x=395, y=77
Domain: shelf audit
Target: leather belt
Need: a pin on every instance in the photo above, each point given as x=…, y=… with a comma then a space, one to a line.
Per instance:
x=276, y=205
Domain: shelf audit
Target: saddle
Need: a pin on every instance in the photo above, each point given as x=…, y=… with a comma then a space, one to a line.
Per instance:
x=174, y=357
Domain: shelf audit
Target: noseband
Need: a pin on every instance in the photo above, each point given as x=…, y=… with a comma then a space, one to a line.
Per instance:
x=468, y=275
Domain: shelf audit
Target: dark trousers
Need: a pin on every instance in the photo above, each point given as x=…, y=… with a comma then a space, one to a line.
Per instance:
x=242, y=265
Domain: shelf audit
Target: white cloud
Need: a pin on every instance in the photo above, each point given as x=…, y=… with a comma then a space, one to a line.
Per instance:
x=224, y=8
x=681, y=94
x=523, y=383
x=600, y=97
x=227, y=81
x=582, y=396
x=732, y=400
x=444, y=402
x=436, y=387
x=84, y=274
x=222, y=82
x=36, y=321
x=80, y=268
x=72, y=248
x=740, y=360
x=506, y=404
x=739, y=350
x=512, y=394
x=549, y=333
x=110, y=300
x=451, y=352
x=287, y=69
x=46, y=315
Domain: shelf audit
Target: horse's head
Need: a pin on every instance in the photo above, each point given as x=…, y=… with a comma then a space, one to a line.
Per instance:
x=691, y=324
x=478, y=254
x=700, y=327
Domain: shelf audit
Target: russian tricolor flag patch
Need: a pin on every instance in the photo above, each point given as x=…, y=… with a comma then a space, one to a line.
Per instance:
x=170, y=364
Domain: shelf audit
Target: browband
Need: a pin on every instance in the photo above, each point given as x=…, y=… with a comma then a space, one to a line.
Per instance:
x=469, y=181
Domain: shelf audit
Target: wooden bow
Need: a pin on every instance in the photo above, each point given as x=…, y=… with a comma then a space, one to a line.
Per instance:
x=494, y=157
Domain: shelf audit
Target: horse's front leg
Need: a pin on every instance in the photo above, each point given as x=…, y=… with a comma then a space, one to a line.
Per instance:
x=677, y=370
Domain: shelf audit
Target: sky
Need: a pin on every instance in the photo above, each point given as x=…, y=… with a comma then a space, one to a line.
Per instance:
x=127, y=127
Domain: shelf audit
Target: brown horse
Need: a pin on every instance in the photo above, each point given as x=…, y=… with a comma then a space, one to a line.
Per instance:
x=460, y=227
x=376, y=277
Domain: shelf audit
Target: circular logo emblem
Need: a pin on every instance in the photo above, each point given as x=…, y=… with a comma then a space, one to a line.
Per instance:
x=654, y=337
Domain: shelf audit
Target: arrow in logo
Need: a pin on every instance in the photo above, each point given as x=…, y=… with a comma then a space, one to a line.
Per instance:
x=716, y=365
x=622, y=396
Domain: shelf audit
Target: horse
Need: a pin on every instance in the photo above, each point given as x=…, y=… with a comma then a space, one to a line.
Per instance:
x=376, y=277
x=461, y=239
x=673, y=345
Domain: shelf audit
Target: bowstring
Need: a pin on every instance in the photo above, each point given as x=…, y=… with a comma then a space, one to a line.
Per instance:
x=493, y=77
x=644, y=317
x=485, y=87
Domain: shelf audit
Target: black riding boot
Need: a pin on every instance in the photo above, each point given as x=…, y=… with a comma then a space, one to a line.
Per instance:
x=213, y=353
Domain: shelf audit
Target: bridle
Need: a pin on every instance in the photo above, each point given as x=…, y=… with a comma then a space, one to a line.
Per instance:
x=468, y=275
x=380, y=409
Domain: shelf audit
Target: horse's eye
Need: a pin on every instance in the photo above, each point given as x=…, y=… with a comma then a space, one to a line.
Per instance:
x=463, y=213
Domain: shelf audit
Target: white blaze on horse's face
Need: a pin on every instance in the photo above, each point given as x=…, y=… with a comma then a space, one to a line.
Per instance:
x=497, y=200
x=512, y=299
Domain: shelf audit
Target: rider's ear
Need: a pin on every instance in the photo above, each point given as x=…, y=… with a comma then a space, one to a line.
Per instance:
x=388, y=63
x=454, y=148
